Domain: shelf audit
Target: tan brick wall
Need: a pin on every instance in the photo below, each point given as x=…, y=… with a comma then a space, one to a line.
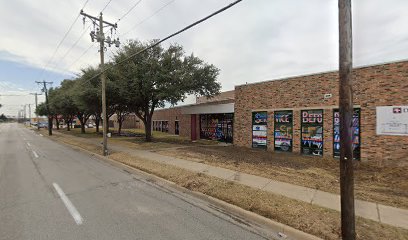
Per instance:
x=380, y=85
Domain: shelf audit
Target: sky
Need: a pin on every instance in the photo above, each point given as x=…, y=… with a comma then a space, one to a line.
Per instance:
x=256, y=40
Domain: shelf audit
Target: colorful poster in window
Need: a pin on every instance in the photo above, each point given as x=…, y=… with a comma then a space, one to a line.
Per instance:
x=283, y=131
x=259, y=129
x=217, y=127
x=356, y=133
x=312, y=132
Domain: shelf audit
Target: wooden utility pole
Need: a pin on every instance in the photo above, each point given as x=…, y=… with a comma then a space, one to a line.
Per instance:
x=100, y=37
x=346, y=121
x=45, y=90
x=103, y=80
x=36, y=105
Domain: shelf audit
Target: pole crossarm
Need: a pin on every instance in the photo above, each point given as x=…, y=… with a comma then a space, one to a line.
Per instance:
x=96, y=19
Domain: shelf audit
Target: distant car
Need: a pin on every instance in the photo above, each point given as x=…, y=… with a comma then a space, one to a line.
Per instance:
x=90, y=125
x=42, y=125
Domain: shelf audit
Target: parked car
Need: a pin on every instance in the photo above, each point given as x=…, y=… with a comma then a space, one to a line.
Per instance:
x=43, y=125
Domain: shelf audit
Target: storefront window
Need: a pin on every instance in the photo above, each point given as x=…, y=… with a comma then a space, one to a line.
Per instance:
x=312, y=132
x=283, y=130
x=259, y=129
x=217, y=126
x=356, y=133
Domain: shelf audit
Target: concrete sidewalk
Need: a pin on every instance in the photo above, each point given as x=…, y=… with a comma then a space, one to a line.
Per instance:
x=381, y=213
x=370, y=210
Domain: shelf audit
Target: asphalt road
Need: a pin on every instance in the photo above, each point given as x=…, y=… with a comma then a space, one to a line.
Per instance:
x=50, y=191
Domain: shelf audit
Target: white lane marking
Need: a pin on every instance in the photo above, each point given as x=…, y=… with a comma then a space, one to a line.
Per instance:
x=41, y=135
x=28, y=144
x=35, y=154
x=71, y=208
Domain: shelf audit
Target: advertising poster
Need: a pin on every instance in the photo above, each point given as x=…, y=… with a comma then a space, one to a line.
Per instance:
x=392, y=120
x=312, y=132
x=356, y=133
x=283, y=130
x=259, y=129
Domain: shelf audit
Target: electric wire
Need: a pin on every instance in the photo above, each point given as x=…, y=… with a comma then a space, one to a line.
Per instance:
x=79, y=58
x=166, y=38
x=147, y=18
x=70, y=49
x=62, y=40
x=127, y=13
x=107, y=4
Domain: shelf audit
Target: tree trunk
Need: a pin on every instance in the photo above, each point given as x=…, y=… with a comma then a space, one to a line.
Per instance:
x=82, y=127
x=68, y=125
x=49, y=125
x=97, y=121
x=148, y=128
x=57, y=122
x=120, y=126
x=82, y=121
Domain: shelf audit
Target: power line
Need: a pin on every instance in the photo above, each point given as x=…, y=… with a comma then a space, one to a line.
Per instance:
x=86, y=2
x=180, y=31
x=168, y=37
x=79, y=58
x=70, y=49
x=13, y=95
x=62, y=40
x=147, y=18
x=133, y=7
x=106, y=5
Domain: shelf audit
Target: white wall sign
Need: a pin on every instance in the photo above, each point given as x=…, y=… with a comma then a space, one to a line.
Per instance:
x=392, y=120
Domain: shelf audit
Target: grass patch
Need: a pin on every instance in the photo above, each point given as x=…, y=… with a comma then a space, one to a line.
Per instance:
x=319, y=221
x=322, y=222
x=382, y=184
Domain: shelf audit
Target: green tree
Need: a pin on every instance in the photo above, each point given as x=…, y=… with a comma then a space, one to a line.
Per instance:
x=159, y=76
x=117, y=97
x=64, y=102
x=3, y=118
x=89, y=93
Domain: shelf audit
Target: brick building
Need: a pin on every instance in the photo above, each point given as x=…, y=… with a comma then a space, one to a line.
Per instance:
x=209, y=118
x=299, y=114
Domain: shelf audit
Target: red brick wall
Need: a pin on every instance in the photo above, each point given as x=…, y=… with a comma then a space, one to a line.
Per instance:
x=379, y=85
x=171, y=115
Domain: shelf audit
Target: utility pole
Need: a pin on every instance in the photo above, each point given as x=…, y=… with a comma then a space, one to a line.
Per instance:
x=45, y=90
x=348, y=231
x=29, y=113
x=99, y=35
x=36, y=105
x=24, y=115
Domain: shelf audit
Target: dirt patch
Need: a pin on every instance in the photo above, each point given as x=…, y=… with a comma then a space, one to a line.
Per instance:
x=324, y=223
x=383, y=184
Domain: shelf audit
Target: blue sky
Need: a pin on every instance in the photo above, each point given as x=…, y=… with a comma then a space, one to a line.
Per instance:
x=23, y=75
x=251, y=42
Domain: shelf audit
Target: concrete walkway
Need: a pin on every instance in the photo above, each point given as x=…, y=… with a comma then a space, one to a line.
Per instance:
x=370, y=210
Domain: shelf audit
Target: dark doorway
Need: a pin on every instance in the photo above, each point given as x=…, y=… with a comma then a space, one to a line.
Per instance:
x=176, y=128
x=193, y=127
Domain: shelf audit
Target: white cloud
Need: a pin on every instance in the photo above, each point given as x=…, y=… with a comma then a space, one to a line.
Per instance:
x=253, y=41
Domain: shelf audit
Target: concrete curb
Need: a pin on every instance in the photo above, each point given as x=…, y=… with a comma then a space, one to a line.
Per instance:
x=291, y=232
